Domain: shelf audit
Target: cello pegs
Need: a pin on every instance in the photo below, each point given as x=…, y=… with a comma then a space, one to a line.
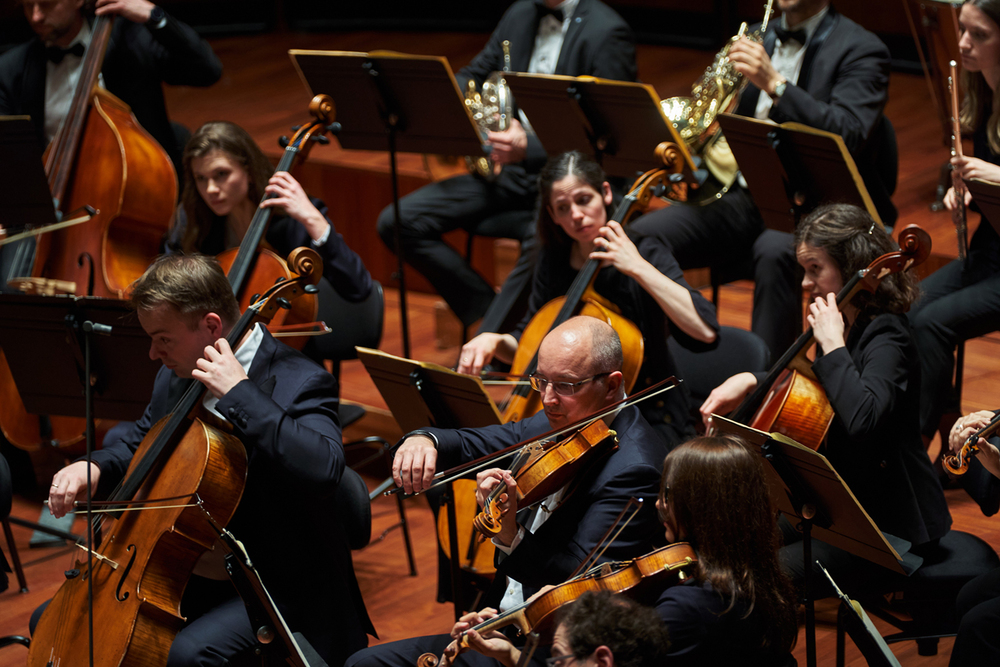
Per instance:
x=284, y=303
x=283, y=141
x=320, y=139
x=311, y=289
x=333, y=128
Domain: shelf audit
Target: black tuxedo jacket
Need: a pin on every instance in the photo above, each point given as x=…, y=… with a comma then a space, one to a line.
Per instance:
x=598, y=43
x=550, y=555
x=138, y=61
x=286, y=417
x=842, y=88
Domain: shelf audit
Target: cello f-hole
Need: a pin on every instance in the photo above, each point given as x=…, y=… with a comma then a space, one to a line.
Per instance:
x=121, y=582
x=90, y=270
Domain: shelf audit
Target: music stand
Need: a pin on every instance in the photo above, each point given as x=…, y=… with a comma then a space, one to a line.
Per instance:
x=618, y=123
x=851, y=616
x=808, y=491
x=791, y=169
x=395, y=102
x=986, y=195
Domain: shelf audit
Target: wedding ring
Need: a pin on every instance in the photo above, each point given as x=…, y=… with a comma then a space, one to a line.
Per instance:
x=55, y=486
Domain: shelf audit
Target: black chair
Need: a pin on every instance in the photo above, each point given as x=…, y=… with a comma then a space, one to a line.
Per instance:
x=928, y=595
x=735, y=351
x=353, y=324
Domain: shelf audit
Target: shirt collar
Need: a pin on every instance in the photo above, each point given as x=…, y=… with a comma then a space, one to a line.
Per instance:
x=810, y=25
x=568, y=8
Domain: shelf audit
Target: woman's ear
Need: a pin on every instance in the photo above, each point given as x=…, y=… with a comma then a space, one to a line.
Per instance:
x=606, y=193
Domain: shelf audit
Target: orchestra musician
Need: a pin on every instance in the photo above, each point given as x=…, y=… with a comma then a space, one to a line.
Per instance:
x=579, y=372
x=867, y=365
x=572, y=38
x=226, y=175
x=644, y=281
x=961, y=300
x=818, y=68
x=283, y=407
x=148, y=48
x=978, y=603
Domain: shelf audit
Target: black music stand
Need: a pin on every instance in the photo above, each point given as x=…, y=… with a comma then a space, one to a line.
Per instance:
x=618, y=123
x=395, y=102
x=791, y=169
x=809, y=492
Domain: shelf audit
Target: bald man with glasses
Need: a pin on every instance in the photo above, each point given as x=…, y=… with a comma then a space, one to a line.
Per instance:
x=579, y=372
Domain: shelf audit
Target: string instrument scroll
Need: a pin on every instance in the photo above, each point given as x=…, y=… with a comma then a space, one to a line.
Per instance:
x=958, y=463
x=141, y=568
x=958, y=214
x=789, y=399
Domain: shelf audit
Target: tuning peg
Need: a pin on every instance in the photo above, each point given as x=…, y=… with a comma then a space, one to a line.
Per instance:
x=283, y=141
x=333, y=128
x=255, y=298
x=319, y=139
x=284, y=303
x=311, y=289
x=296, y=128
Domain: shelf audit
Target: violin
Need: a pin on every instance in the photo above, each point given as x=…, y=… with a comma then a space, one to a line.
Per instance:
x=542, y=468
x=583, y=299
x=958, y=463
x=254, y=267
x=140, y=570
x=790, y=399
x=675, y=561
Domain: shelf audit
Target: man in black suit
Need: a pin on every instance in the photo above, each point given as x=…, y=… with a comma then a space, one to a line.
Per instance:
x=579, y=372
x=818, y=68
x=574, y=37
x=148, y=47
x=283, y=407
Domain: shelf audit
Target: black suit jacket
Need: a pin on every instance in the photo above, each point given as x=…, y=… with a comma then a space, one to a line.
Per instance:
x=138, y=61
x=551, y=554
x=598, y=43
x=842, y=88
x=286, y=417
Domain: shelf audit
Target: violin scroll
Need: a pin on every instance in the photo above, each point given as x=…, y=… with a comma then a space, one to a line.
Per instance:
x=489, y=521
x=958, y=463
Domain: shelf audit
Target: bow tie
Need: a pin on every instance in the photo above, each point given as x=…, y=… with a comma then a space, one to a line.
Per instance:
x=786, y=35
x=56, y=54
x=543, y=11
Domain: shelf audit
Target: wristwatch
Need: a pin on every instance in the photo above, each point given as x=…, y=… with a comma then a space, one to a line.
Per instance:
x=157, y=18
x=779, y=90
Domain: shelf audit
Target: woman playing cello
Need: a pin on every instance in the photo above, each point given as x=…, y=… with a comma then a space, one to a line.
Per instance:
x=644, y=281
x=867, y=365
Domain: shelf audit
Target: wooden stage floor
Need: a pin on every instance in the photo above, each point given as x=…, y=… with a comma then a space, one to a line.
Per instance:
x=260, y=91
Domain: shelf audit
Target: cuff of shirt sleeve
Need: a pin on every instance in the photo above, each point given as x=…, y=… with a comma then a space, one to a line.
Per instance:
x=513, y=545
x=321, y=241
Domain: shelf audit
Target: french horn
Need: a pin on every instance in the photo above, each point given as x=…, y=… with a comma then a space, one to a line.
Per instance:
x=491, y=109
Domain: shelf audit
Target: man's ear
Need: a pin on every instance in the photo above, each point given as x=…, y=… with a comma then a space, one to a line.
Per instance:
x=213, y=324
x=603, y=657
x=615, y=380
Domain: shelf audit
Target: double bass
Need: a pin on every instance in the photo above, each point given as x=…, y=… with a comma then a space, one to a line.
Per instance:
x=102, y=158
x=185, y=466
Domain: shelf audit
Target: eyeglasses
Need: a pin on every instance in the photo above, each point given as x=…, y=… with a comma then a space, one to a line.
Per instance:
x=561, y=388
x=556, y=660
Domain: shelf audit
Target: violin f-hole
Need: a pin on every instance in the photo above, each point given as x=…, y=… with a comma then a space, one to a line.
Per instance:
x=121, y=582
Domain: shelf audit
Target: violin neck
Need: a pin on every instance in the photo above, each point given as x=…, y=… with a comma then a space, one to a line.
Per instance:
x=60, y=160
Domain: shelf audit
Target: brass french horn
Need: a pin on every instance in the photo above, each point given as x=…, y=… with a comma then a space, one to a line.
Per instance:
x=491, y=108
x=696, y=117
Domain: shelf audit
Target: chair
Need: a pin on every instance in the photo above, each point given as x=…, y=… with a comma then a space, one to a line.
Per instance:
x=6, y=492
x=735, y=351
x=353, y=324
x=928, y=595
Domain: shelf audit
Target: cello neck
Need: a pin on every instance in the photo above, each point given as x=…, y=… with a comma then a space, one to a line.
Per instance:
x=60, y=160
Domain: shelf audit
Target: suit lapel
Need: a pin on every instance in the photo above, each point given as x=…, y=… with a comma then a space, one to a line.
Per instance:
x=822, y=33
x=576, y=25
x=522, y=41
x=260, y=369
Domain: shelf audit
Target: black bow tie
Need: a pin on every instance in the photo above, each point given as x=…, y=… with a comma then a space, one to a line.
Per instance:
x=544, y=10
x=56, y=53
x=786, y=35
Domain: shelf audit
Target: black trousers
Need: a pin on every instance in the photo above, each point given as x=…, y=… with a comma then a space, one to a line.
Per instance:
x=730, y=233
x=460, y=202
x=978, y=607
x=960, y=301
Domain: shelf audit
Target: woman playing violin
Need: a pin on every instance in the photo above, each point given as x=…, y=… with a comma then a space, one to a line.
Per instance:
x=962, y=300
x=226, y=175
x=644, y=281
x=867, y=364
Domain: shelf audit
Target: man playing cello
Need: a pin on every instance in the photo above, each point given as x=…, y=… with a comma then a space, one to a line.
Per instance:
x=579, y=372
x=283, y=407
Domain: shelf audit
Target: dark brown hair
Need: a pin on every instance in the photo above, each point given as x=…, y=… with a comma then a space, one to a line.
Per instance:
x=193, y=284
x=635, y=634
x=234, y=141
x=980, y=105
x=853, y=240
x=719, y=497
x=572, y=163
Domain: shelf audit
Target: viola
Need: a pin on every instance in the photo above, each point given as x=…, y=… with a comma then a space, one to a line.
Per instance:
x=254, y=266
x=958, y=463
x=583, y=299
x=104, y=159
x=675, y=561
x=142, y=565
x=790, y=399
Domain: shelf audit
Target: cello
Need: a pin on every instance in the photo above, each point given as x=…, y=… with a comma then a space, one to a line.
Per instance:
x=583, y=299
x=104, y=159
x=789, y=399
x=184, y=467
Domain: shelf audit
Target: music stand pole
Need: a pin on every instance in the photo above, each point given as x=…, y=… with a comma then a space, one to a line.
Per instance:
x=398, y=235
